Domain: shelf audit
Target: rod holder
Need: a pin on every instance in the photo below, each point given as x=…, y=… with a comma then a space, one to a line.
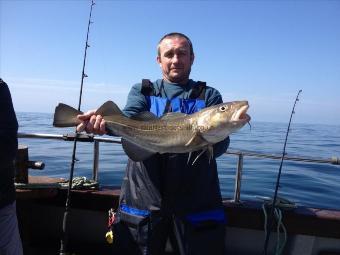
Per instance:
x=37, y=165
x=21, y=170
x=22, y=164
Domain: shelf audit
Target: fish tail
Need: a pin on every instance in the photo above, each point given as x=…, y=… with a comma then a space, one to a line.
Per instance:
x=65, y=116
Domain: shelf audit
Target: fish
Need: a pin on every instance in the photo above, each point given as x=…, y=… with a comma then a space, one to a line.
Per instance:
x=145, y=134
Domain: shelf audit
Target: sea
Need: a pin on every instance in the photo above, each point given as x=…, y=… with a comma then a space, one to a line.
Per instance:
x=308, y=184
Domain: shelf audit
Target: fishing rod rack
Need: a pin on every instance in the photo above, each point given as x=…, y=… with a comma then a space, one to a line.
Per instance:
x=96, y=140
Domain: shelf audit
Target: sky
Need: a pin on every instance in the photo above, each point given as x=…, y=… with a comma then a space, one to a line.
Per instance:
x=260, y=51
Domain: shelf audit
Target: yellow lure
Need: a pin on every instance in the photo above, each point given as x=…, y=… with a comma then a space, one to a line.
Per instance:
x=109, y=237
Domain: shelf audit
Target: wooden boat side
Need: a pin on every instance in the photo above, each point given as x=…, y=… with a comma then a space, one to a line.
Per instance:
x=40, y=213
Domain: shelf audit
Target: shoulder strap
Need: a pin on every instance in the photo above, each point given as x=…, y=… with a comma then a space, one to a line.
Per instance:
x=198, y=91
x=147, y=87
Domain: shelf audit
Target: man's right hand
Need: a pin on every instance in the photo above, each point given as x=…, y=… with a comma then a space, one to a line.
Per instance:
x=91, y=123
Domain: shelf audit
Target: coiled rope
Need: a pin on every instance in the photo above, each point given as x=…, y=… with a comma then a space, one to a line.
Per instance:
x=280, y=204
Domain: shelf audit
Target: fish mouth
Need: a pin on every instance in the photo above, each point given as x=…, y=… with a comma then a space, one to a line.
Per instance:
x=241, y=114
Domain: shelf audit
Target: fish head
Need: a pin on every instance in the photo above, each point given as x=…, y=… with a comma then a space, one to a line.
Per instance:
x=215, y=123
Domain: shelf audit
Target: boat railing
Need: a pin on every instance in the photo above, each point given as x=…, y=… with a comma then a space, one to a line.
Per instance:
x=96, y=140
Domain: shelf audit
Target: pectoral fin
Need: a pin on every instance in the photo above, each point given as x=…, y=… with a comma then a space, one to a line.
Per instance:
x=196, y=140
x=136, y=152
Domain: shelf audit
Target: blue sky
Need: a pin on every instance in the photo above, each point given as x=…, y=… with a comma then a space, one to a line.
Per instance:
x=262, y=51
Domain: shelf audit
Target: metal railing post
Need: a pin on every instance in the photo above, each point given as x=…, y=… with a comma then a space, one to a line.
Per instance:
x=95, y=160
x=238, y=177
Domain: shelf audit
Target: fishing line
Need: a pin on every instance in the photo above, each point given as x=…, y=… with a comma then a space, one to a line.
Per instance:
x=272, y=209
x=64, y=234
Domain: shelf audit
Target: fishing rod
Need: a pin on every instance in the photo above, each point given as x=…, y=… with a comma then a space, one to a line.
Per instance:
x=272, y=209
x=64, y=237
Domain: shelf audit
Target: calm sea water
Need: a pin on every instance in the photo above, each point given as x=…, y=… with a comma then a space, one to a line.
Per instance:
x=309, y=184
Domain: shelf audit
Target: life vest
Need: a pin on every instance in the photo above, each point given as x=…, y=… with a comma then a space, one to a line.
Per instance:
x=159, y=105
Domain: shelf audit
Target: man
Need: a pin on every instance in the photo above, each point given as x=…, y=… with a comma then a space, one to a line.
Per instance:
x=165, y=197
x=10, y=242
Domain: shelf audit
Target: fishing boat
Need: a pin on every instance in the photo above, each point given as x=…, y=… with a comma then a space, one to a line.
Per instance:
x=41, y=203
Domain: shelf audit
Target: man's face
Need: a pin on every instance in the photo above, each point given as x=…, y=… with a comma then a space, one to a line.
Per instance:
x=175, y=59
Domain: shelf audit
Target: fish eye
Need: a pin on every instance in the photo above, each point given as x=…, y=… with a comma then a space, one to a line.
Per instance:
x=223, y=108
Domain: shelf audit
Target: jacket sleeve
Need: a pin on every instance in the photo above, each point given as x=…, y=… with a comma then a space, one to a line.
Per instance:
x=8, y=125
x=213, y=97
x=136, y=101
x=8, y=146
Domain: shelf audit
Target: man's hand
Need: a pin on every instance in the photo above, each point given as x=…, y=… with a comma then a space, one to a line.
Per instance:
x=91, y=123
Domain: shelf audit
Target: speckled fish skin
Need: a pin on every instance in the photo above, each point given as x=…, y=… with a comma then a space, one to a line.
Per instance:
x=172, y=133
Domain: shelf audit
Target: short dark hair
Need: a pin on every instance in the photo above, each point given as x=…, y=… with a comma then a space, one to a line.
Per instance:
x=174, y=35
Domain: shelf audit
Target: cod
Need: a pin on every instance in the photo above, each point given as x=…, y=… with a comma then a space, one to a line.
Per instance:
x=144, y=134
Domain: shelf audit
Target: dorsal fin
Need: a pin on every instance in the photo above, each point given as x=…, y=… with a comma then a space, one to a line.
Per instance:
x=65, y=116
x=109, y=108
x=144, y=116
x=173, y=115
